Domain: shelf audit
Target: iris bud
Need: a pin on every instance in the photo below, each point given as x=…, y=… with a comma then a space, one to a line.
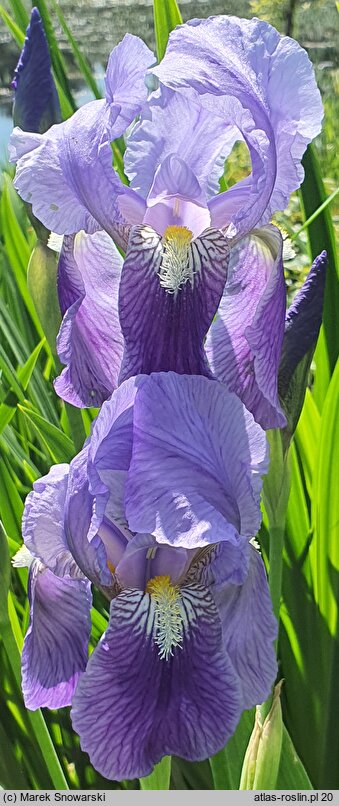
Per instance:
x=36, y=103
x=262, y=757
x=302, y=325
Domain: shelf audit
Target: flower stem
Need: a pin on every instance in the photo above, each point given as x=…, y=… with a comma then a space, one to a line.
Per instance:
x=276, y=565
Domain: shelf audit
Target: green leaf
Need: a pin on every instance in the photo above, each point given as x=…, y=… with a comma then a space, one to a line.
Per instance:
x=82, y=62
x=324, y=562
x=20, y=13
x=160, y=777
x=11, y=506
x=18, y=250
x=321, y=236
x=292, y=773
x=25, y=373
x=5, y=574
x=59, y=446
x=227, y=764
x=166, y=17
x=14, y=29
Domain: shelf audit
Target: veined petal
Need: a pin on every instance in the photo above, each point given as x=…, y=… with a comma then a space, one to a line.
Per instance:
x=67, y=174
x=200, y=454
x=174, y=123
x=164, y=328
x=272, y=79
x=63, y=176
x=55, y=648
x=244, y=343
x=132, y=706
x=90, y=341
x=36, y=103
x=176, y=198
x=69, y=281
x=82, y=535
x=109, y=456
x=43, y=523
x=249, y=630
x=126, y=89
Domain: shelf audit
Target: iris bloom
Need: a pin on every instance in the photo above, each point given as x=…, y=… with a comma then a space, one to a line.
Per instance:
x=191, y=252
x=157, y=511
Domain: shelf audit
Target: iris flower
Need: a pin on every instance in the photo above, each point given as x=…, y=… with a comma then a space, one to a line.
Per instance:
x=157, y=511
x=201, y=288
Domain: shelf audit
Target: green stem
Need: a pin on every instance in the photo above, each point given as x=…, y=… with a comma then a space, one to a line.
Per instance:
x=276, y=565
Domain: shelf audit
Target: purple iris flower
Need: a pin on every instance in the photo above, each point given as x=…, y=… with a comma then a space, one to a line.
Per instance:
x=157, y=511
x=191, y=252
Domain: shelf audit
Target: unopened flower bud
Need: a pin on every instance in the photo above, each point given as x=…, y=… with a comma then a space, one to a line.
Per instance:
x=302, y=327
x=262, y=758
x=36, y=103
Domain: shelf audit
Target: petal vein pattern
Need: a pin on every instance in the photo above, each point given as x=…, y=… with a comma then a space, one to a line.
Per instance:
x=172, y=704
x=66, y=174
x=165, y=331
x=275, y=103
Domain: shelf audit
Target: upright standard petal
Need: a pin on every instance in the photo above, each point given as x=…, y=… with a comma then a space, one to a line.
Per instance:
x=169, y=292
x=174, y=123
x=201, y=455
x=133, y=706
x=90, y=341
x=56, y=644
x=244, y=343
x=275, y=102
x=67, y=174
x=36, y=103
x=126, y=89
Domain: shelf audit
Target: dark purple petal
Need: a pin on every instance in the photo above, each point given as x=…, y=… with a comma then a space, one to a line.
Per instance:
x=249, y=630
x=259, y=81
x=197, y=461
x=244, y=342
x=303, y=320
x=55, y=648
x=132, y=707
x=165, y=329
x=67, y=174
x=36, y=103
x=90, y=340
x=43, y=523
